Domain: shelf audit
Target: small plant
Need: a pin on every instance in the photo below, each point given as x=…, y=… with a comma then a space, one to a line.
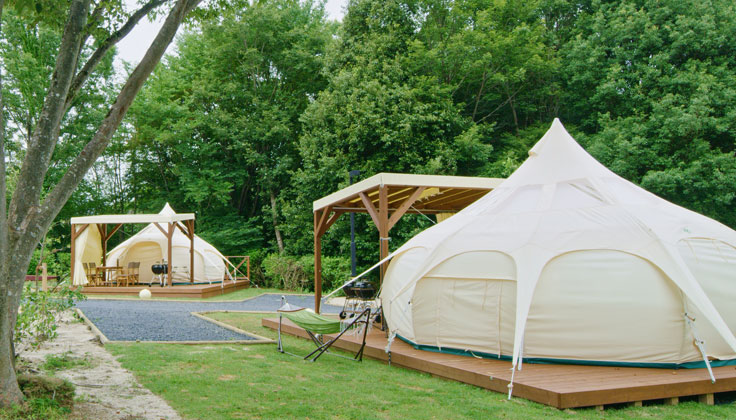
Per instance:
x=55, y=363
x=39, y=313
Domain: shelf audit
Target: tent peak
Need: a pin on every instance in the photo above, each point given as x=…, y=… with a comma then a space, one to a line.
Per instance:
x=167, y=210
x=557, y=157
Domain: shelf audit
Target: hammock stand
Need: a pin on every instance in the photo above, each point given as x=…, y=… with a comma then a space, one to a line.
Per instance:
x=315, y=325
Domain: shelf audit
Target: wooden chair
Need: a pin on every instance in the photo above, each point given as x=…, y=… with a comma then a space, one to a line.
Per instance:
x=130, y=275
x=93, y=276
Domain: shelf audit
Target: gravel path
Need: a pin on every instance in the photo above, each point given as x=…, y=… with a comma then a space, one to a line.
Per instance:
x=132, y=320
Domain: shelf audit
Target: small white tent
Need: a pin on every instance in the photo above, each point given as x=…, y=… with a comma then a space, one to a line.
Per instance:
x=566, y=261
x=149, y=246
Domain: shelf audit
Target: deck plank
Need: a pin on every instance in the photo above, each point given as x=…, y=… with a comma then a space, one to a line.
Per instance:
x=183, y=291
x=561, y=386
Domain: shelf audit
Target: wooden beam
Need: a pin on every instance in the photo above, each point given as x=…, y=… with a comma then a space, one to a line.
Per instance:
x=370, y=208
x=330, y=222
x=103, y=235
x=169, y=236
x=161, y=229
x=322, y=220
x=383, y=227
x=190, y=228
x=317, y=263
x=114, y=231
x=404, y=207
x=182, y=228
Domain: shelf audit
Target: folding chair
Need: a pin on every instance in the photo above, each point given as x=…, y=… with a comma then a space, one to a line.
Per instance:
x=315, y=325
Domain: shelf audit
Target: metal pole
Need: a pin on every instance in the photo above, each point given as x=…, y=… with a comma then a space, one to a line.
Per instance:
x=352, y=230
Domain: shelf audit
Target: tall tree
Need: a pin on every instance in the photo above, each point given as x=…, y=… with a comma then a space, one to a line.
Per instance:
x=220, y=121
x=28, y=215
x=652, y=83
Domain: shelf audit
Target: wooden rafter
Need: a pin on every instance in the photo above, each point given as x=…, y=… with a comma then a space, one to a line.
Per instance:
x=370, y=208
x=404, y=207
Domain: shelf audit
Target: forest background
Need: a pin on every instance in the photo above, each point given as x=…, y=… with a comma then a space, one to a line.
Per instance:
x=265, y=108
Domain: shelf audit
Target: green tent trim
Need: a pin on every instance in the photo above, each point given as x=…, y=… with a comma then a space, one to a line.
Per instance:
x=548, y=361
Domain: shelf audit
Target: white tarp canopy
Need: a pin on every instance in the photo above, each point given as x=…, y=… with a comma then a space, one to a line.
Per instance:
x=568, y=261
x=149, y=246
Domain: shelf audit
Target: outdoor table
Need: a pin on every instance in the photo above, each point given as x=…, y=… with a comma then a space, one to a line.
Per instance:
x=105, y=269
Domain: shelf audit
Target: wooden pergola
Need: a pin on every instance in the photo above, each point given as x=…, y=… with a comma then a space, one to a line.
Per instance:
x=386, y=197
x=167, y=224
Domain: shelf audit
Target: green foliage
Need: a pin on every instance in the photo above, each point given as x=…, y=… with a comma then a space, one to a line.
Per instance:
x=39, y=312
x=48, y=392
x=54, y=363
x=217, y=127
x=651, y=83
x=284, y=272
x=47, y=398
x=297, y=273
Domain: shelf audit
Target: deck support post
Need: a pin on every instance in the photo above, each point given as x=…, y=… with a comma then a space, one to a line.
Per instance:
x=672, y=401
x=706, y=399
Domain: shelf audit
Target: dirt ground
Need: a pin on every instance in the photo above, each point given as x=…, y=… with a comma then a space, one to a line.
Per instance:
x=104, y=389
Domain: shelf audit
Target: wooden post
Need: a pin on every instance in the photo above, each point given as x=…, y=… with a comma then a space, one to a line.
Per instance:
x=103, y=234
x=383, y=227
x=317, y=263
x=44, y=278
x=170, y=235
x=706, y=399
x=672, y=401
x=190, y=234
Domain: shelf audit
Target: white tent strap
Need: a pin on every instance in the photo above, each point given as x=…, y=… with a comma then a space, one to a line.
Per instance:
x=425, y=216
x=511, y=382
x=378, y=264
x=700, y=344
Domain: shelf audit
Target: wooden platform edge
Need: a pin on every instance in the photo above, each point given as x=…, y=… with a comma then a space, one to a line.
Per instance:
x=669, y=392
x=428, y=366
x=181, y=291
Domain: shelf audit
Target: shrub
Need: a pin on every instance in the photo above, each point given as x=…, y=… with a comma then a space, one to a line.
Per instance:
x=335, y=271
x=47, y=391
x=284, y=272
x=38, y=314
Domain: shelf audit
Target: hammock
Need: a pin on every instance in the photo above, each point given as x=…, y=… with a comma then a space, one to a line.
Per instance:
x=314, y=322
x=315, y=325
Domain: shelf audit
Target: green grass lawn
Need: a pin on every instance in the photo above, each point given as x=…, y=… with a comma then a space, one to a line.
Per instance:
x=232, y=381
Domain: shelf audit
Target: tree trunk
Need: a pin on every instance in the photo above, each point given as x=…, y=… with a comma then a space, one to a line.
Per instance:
x=27, y=217
x=274, y=215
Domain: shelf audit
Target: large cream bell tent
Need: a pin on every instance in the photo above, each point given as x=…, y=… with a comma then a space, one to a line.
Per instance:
x=150, y=246
x=567, y=262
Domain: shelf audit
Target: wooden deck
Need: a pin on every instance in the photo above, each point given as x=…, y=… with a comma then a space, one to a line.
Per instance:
x=561, y=386
x=183, y=291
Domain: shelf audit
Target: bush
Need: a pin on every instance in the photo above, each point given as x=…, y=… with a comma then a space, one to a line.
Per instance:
x=297, y=273
x=335, y=271
x=285, y=272
x=47, y=391
x=38, y=314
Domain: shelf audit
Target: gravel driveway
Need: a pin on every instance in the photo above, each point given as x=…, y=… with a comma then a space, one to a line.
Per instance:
x=132, y=320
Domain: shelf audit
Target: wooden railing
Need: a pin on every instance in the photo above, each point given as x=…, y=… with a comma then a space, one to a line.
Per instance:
x=237, y=261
